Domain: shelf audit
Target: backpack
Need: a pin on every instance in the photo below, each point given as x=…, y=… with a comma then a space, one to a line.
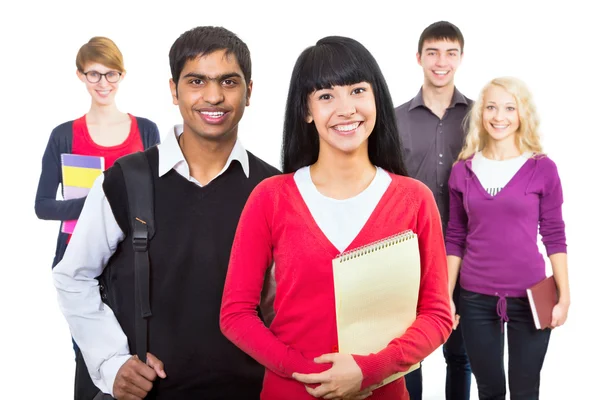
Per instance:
x=140, y=197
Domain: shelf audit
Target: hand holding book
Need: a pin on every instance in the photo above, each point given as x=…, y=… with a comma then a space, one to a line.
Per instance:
x=343, y=379
x=559, y=315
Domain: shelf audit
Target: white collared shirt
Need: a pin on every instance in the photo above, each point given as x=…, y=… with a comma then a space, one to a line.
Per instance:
x=95, y=239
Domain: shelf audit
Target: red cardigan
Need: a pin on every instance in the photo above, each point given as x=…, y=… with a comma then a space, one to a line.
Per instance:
x=277, y=227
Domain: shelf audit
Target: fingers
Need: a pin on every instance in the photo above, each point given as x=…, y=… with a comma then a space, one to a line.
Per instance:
x=156, y=364
x=324, y=392
x=144, y=372
x=311, y=378
x=320, y=391
x=139, y=379
x=134, y=380
x=455, y=321
x=125, y=388
x=326, y=358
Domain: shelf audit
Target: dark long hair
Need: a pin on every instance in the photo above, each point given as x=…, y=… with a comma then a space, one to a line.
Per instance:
x=337, y=61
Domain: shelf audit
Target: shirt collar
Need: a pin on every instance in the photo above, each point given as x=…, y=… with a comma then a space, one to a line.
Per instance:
x=170, y=154
x=457, y=98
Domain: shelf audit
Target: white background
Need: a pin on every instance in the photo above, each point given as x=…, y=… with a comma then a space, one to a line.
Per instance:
x=551, y=46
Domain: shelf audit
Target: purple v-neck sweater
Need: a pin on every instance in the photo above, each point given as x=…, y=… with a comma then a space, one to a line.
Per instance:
x=496, y=236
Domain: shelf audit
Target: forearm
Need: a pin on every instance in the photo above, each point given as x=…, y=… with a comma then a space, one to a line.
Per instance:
x=92, y=323
x=454, y=263
x=561, y=277
x=251, y=256
x=246, y=330
x=93, y=327
x=58, y=210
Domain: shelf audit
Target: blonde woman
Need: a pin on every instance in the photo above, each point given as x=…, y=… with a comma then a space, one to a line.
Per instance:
x=502, y=190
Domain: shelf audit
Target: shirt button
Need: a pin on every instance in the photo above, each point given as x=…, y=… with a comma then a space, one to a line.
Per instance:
x=441, y=163
x=441, y=185
x=441, y=155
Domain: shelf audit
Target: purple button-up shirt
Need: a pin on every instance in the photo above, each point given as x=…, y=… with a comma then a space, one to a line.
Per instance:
x=431, y=145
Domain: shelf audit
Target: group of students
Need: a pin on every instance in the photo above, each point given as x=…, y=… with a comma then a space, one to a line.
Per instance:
x=469, y=178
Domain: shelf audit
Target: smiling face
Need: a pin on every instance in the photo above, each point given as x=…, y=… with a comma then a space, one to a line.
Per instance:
x=103, y=92
x=500, y=114
x=344, y=117
x=439, y=59
x=212, y=95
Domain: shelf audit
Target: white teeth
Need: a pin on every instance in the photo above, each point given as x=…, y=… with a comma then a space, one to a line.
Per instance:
x=346, y=128
x=104, y=91
x=440, y=72
x=213, y=114
x=500, y=126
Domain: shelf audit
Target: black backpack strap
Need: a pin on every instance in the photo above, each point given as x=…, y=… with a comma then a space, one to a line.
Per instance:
x=140, y=195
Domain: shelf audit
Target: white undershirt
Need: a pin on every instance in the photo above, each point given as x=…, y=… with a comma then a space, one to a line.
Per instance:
x=494, y=174
x=341, y=220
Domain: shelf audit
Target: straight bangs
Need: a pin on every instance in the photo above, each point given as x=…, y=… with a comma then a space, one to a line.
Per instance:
x=327, y=66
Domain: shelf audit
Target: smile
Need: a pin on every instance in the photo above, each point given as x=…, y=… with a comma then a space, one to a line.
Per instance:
x=347, y=128
x=211, y=114
x=213, y=117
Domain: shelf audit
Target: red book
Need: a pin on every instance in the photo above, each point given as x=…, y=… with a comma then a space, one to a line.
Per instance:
x=543, y=296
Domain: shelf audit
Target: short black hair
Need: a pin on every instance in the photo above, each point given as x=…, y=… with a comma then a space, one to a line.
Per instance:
x=337, y=61
x=442, y=30
x=204, y=40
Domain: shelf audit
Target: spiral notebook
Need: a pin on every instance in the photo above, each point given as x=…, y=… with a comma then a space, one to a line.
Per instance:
x=78, y=173
x=376, y=294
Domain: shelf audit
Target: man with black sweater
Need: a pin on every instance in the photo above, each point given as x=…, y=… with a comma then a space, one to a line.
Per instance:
x=202, y=177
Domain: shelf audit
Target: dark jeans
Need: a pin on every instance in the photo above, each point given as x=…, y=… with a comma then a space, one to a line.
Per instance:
x=84, y=387
x=484, y=339
x=458, y=369
x=414, y=384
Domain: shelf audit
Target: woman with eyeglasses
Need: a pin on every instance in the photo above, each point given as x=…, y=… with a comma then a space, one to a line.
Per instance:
x=103, y=131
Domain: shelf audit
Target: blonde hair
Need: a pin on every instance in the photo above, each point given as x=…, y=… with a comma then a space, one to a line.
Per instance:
x=101, y=50
x=527, y=136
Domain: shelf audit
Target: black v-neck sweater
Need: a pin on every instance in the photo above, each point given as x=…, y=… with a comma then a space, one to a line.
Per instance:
x=189, y=255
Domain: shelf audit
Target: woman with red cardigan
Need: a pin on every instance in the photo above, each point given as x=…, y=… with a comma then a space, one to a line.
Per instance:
x=344, y=186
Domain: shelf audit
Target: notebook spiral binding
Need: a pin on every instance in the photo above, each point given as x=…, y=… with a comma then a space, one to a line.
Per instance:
x=375, y=246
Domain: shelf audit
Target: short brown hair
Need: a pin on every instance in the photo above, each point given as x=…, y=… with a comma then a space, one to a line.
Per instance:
x=442, y=30
x=101, y=50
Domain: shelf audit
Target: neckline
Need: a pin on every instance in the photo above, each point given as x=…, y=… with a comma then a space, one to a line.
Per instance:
x=510, y=183
x=525, y=155
x=312, y=225
x=124, y=143
x=316, y=191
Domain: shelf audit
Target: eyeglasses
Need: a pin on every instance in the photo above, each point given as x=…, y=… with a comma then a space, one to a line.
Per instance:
x=95, y=76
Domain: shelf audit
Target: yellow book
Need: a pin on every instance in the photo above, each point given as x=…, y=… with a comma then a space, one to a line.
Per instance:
x=78, y=173
x=376, y=294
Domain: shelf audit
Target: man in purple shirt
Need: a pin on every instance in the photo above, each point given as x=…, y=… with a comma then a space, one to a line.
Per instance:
x=431, y=129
